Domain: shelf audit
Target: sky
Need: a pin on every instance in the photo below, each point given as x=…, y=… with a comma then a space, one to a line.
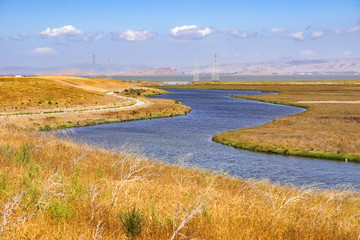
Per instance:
x=175, y=33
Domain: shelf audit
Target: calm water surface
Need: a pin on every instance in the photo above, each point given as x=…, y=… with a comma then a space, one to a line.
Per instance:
x=188, y=138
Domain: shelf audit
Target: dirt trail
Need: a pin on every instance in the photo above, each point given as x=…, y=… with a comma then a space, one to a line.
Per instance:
x=95, y=109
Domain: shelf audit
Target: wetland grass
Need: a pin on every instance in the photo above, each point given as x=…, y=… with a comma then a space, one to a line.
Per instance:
x=325, y=130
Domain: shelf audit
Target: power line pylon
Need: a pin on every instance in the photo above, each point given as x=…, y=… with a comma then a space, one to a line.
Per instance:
x=215, y=74
x=93, y=66
x=196, y=73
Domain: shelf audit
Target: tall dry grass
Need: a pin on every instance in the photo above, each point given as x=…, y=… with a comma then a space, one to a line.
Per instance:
x=54, y=188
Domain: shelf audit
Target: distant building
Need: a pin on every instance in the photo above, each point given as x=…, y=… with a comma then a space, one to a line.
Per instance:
x=17, y=76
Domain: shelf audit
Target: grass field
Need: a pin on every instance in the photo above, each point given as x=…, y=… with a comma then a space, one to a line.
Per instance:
x=58, y=94
x=330, y=128
x=53, y=188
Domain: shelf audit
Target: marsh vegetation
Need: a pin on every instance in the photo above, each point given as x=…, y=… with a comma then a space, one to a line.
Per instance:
x=55, y=188
x=328, y=129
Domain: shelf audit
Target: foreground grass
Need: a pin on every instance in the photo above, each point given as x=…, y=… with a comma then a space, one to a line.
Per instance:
x=326, y=130
x=52, y=188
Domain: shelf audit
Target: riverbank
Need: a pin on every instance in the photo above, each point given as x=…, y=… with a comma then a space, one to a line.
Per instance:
x=329, y=129
x=56, y=188
x=57, y=102
x=52, y=187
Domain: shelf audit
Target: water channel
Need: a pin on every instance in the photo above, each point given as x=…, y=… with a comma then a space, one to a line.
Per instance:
x=188, y=139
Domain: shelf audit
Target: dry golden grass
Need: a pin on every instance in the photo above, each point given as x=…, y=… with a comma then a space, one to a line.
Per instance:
x=30, y=94
x=325, y=130
x=154, y=108
x=92, y=84
x=57, y=189
x=53, y=188
x=64, y=95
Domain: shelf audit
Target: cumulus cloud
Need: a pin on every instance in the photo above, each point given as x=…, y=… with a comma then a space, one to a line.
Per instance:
x=43, y=51
x=307, y=53
x=18, y=37
x=69, y=32
x=132, y=35
x=190, y=32
x=241, y=34
x=278, y=30
x=62, y=32
x=299, y=36
x=317, y=34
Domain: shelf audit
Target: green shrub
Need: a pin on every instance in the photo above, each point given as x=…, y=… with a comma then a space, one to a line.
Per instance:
x=61, y=210
x=77, y=187
x=23, y=156
x=4, y=183
x=100, y=171
x=132, y=221
x=46, y=128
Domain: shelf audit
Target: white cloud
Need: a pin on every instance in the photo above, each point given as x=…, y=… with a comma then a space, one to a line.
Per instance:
x=190, y=32
x=133, y=35
x=317, y=34
x=43, y=51
x=90, y=37
x=353, y=29
x=69, y=32
x=347, y=30
x=240, y=34
x=62, y=32
x=278, y=30
x=299, y=36
x=18, y=37
x=307, y=53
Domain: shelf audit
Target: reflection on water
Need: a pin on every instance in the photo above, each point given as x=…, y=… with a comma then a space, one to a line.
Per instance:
x=188, y=138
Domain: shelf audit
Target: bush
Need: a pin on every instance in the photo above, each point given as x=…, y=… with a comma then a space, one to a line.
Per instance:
x=23, y=156
x=46, y=128
x=4, y=183
x=132, y=221
x=61, y=210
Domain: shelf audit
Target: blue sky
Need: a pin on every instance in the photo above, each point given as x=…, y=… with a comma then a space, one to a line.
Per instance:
x=174, y=33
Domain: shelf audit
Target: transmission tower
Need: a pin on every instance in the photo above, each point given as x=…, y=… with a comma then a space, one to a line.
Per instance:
x=196, y=73
x=108, y=68
x=215, y=74
x=93, y=67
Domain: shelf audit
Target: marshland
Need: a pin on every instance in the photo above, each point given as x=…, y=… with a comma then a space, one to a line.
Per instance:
x=52, y=187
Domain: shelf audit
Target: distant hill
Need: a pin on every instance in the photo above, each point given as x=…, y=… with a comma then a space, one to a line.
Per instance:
x=331, y=66
x=150, y=72
x=286, y=66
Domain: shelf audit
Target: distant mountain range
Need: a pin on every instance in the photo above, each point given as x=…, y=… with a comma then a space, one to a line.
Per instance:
x=280, y=67
x=287, y=67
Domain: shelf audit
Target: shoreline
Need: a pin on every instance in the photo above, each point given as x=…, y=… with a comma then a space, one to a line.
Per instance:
x=290, y=141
